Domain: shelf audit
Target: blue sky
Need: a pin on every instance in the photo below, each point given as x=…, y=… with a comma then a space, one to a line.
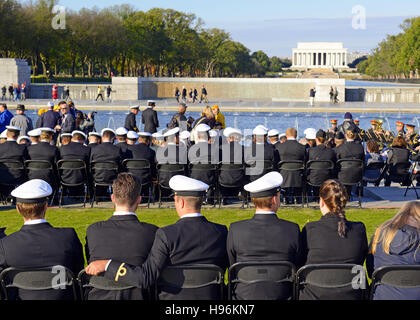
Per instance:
x=275, y=26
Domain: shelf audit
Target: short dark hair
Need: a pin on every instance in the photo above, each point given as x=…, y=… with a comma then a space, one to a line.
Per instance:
x=31, y=210
x=108, y=135
x=62, y=102
x=372, y=146
x=3, y=105
x=126, y=189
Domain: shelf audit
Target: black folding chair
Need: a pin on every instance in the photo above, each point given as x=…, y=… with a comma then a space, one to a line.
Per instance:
x=297, y=167
x=171, y=170
x=141, y=168
x=324, y=169
x=238, y=170
x=265, y=166
x=274, y=275
x=98, y=282
x=78, y=166
x=35, y=169
x=200, y=170
x=201, y=277
x=36, y=279
x=399, y=276
x=334, y=280
x=111, y=169
x=374, y=173
x=12, y=174
x=350, y=173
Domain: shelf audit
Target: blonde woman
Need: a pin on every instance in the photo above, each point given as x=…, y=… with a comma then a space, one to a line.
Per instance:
x=206, y=117
x=396, y=242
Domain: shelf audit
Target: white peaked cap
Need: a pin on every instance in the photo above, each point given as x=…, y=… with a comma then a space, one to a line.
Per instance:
x=35, y=133
x=282, y=135
x=50, y=104
x=121, y=131
x=3, y=134
x=107, y=129
x=13, y=128
x=94, y=133
x=151, y=101
x=23, y=137
x=132, y=135
x=66, y=134
x=202, y=127
x=230, y=131
x=273, y=133
x=267, y=185
x=79, y=132
x=46, y=129
x=263, y=127
x=144, y=134
x=184, y=186
x=135, y=107
x=260, y=131
x=310, y=133
x=184, y=135
x=171, y=132
x=157, y=135
x=213, y=133
x=33, y=191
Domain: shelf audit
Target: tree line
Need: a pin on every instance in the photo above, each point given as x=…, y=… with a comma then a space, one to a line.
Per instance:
x=125, y=42
x=398, y=56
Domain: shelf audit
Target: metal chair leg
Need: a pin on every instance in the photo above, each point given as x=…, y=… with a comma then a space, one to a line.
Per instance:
x=61, y=196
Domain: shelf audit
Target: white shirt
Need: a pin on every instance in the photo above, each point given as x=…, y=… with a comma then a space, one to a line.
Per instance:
x=36, y=221
x=291, y=139
x=8, y=139
x=265, y=212
x=123, y=213
x=191, y=215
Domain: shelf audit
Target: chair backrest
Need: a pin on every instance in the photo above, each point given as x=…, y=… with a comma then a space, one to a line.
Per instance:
x=12, y=172
x=350, y=164
x=272, y=274
x=291, y=165
x=38, y=165
x=136, y=164
x=330, y=277
x=320, y=165
x=168, y=167
x=69, y=166
x=350, y=171
x=98, y=282
x=375, y=166
x=176, y=278
x=111, y=169
x=399, y=276
x=400, y=168
x=36, y=279
x=203, y=167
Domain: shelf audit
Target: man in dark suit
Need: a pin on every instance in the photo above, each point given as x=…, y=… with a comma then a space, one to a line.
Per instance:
x=264, y=237
x=130, y=120
x=121, y=138
x=11, y=151
x=94, y=139
x=38, y=244
x=192, y=240
x=149, y=118
x=291, y=150
x=320, y=152
x=260, y=154
x=75, y=150
x=122, y=237
x=46, y=152
x=67, y=123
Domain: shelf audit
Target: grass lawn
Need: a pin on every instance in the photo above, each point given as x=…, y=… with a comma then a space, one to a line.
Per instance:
x=80, y=219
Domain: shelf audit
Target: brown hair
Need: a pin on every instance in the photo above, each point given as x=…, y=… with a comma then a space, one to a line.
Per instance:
x=372, y=146
x=31, y=210
x=291, y=132
x=409, y=214
x=334, y=194
x=265, y=202
x=350, y=135
x=399, y=142
x=207, y=113
x=192, y=203
x=46, y=135
x=126, y=189
x=65, y=140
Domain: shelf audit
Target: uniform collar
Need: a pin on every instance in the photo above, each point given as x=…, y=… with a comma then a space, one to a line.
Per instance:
x=264, y=212
x=191, y=215
x=124, y=213
x=11, y=140
x=292, y=139
x=33, y=222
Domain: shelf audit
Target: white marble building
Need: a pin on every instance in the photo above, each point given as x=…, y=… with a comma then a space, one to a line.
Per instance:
x=319, y=55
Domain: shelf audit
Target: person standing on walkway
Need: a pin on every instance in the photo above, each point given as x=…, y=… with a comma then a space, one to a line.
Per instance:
x=3, y=93
x=21, y=120
x=130, y=120
x=149, y=118
x=204, y=95
x=100, y=94
x=108, y=93
x=312, y=93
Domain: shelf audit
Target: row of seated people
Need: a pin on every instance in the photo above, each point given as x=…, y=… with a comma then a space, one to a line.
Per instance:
x=133, y=254
x=204, y=151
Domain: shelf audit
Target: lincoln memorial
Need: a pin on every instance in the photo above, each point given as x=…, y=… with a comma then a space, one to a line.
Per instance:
x=319, y=55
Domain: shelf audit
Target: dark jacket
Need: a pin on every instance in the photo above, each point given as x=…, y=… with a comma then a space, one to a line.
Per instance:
x=11, y=151
x=291, y=150
x=130, y=122
x=189, y=241
x=122, y=238
x=404, y=250
x=43, y=151
x=143, y=152
x=48, y=119
x=150, y=120
x=350, y=150
x=322, y=245
x=106, y=151
x=68, y=123
x=320, y=152
x=264, y=237
x=42, y=245
x=74, y=151
x=232, y=153
x=261, y=152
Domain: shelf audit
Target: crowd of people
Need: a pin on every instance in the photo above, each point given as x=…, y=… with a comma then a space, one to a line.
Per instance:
x=17, y=92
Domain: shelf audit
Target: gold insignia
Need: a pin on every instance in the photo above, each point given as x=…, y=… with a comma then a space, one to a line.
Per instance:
x=121, y=272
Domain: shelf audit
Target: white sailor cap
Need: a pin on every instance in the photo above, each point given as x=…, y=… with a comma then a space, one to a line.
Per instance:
x=94, y=133
x=282, y=135
x=132, y=135
x=135, y=107
x=13, y=128
x=229, y=131
x=310, y=133
x=50, y=104
x=263, y=127
x=3, y=134
x=144, y=134
x=273, y=133
x=184, y=135
x=46, y=129
x=266, y=186
x=35, y=132
x=23, y=137
x=151, y=101
x=260, y=131
x=107, y=129
x=213, y=133
x=157, y=135
x=121, y=131
x=33, y=191
x=66, y=134
x=171, y=132
x=184, y=186
x=202, y=127
x=78, y=132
